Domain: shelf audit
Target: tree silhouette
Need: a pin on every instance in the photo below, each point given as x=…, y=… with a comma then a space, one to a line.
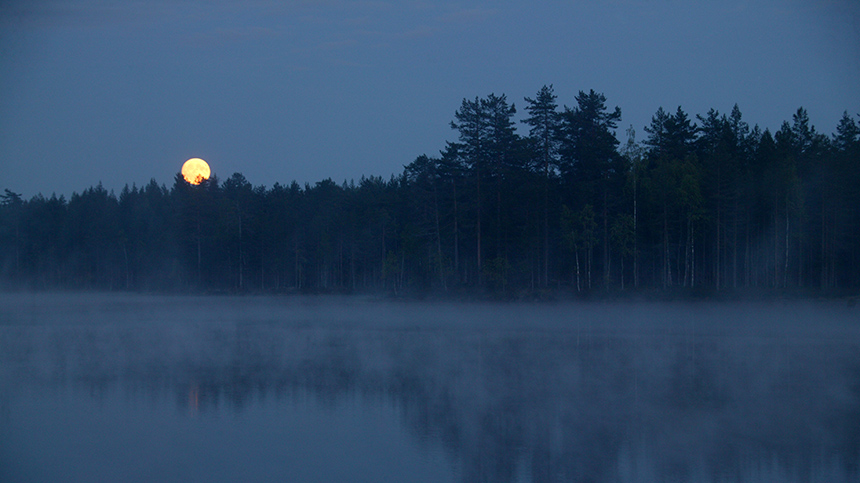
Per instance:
x=711, y=206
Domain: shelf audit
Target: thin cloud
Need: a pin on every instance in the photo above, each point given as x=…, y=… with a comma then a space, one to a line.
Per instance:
x=335, y=44
x=82, y=13
x=468, y=15
x=238, y=34
x=422, y=32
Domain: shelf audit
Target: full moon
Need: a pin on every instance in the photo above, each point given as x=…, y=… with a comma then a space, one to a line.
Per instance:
x=195, y=171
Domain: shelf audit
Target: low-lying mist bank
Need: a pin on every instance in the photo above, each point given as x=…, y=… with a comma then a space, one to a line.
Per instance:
x=562, y=294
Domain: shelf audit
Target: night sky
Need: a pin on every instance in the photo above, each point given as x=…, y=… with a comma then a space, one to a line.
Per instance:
x=124, y=91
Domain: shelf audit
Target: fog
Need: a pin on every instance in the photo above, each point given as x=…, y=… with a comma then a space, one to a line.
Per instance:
x=167, y=388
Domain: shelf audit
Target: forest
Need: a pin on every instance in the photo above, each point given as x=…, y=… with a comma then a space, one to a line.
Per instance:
x=701, y=204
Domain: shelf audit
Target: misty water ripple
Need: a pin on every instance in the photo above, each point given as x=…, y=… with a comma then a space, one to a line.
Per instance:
x=473, y=392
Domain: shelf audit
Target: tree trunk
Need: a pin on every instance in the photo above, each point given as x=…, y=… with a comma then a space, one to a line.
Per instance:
x=687, y=253
x=718, y=262
x=785, y=269
x=456, y=235
x=635, y=234
x=692, y=256
x=297, y=281
x=825, y=278
x=546, y=224
x=241, y=254
x=438, y=239
x=498, y=217
x=735, y=245
x=478, y=247
x=127, y=271
x=775, y=246
x=606, y=256
x=199, y=256
x=666, y=269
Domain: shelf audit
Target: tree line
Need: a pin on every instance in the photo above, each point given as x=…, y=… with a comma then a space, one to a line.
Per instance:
x=705, y=203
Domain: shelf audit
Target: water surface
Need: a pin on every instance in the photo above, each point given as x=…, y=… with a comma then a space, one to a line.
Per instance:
x=178, y=388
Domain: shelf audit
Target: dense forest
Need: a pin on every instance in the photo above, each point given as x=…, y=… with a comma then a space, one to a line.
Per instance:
x=705, y=203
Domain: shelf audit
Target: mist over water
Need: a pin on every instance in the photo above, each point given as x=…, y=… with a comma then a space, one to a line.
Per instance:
x=170, y=388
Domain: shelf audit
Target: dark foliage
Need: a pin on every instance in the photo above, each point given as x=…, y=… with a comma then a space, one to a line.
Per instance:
x=707, y=206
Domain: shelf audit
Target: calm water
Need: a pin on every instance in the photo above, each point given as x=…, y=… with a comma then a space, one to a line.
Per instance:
x=155, y=388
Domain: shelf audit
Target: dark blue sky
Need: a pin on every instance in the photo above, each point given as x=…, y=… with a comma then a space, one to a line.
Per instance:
x=124, y=91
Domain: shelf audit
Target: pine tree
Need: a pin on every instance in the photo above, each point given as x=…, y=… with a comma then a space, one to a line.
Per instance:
x=544, y=120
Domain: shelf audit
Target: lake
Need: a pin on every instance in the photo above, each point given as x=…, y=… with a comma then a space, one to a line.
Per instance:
x=113, y=387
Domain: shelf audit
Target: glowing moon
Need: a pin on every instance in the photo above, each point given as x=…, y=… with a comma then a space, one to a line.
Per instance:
x=195, y=170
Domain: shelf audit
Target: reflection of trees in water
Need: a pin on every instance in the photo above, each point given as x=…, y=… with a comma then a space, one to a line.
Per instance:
x=558, y=405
